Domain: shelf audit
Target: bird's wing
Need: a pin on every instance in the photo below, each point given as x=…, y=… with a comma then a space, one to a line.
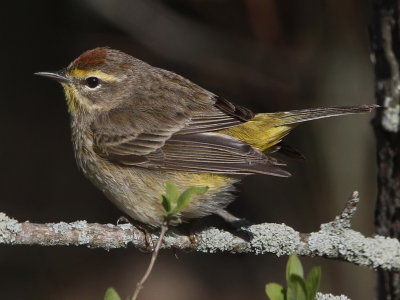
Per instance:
x=181, y=141
x=223, y=114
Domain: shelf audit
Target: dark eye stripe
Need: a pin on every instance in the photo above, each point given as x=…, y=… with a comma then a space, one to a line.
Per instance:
x=92, y=82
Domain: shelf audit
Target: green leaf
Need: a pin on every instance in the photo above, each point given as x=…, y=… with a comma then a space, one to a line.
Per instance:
x=165, y=203
x=275, y=291
x=296, y=288
x=111, y=294
x=312, y=282
x=170, y=199
x=172, y=194
x=294, y=267
x=185, y=198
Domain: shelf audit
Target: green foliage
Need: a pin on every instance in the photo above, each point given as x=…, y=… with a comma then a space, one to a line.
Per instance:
x=174, y=202
x=275, y=291
x=298, y=288
x=111, y=294
x=313, y=280
x=294, y=267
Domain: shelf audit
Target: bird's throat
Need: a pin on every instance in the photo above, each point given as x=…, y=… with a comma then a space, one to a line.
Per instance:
x=77, y=103
x=72, y=101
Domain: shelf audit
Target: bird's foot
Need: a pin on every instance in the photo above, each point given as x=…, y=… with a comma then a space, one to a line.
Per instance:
x=149, y=245
x=123, y=220
x=239, y=224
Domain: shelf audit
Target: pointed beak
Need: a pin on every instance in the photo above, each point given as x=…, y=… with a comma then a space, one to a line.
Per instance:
x=59, y=76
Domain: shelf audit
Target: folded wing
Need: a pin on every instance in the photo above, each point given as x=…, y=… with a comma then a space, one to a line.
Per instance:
x=184, y=143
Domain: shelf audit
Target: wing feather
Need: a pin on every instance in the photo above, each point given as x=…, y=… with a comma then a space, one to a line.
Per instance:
x=187, y=143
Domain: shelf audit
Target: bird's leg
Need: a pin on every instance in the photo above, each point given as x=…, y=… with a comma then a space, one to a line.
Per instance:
x=190, y=229
x=231, y=219
x=123, y=220
x=238, y=224
x=147, y=236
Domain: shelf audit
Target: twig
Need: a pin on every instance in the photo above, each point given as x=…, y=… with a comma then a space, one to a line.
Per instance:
x=335, y=239
x=139, y=286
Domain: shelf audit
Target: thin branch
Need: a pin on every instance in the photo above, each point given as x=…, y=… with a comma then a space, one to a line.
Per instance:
x=146, y=275
x=334, y=239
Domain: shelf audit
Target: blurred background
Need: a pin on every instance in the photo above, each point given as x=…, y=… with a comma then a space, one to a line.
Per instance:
x=268, y=55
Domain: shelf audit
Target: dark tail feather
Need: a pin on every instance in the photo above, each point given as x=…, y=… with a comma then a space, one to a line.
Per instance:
x=289, y=151
x=303, y=115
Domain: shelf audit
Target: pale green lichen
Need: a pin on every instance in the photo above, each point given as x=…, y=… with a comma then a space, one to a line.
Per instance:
x=321, y=296
x=275, y=238
x=263, y=238
x=78, y=225
x=123, y=226
x=213, y=240
x=60, y=227
x=352, y=246
x=8, y=229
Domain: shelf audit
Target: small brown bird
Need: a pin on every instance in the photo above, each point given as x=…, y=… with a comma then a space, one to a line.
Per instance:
x=136, y=127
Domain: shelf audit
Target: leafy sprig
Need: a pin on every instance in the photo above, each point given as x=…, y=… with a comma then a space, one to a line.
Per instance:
x=174, y=202
x=111, y=294
x=298, y=287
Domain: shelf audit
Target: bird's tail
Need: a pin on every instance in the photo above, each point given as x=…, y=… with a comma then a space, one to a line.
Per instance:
x=299, y=116
x=266, y=130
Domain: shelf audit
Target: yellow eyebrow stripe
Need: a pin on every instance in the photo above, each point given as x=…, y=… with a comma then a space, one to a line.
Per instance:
x=78, y=73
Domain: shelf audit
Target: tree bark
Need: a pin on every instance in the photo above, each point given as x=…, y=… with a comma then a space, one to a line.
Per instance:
x=385, y=41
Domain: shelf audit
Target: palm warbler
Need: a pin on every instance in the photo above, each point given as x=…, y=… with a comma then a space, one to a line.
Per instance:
x=136, y=127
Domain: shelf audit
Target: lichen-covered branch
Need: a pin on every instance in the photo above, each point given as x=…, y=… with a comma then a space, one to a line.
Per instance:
x=334, y=239
x=321, y=296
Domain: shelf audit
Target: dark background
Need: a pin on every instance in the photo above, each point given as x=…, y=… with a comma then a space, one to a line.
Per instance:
x=268, y=55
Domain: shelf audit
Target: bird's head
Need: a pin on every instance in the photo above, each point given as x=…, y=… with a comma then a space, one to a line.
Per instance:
x=99, y=79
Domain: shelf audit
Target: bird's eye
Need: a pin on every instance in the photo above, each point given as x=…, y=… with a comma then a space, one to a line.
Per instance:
x=92, y=82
